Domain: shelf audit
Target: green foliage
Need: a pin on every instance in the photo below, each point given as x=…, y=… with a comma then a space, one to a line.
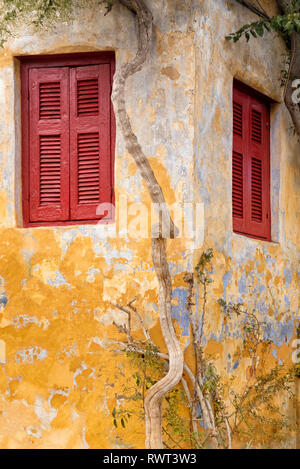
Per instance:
x=258, y=413
x=203, y=265
x=257, y=409
x=175, y=426
x=40, y=14
x=148, y=369
x=120, y=415
x=33, y=12
x=284, y=25
x=213, y=388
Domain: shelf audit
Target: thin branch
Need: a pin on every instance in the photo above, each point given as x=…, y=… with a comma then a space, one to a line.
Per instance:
x=192, y=407
x=145, y=331
x=294, y=73
x=127, y=329
x=207, y=411
x=168, y=434
x=121, y=308
x=258, y=12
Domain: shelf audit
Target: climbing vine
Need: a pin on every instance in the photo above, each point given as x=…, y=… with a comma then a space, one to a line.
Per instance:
x=205, y=409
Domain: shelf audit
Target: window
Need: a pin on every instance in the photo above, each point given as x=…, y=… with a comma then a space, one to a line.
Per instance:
x=251, y=164
x=67, y=138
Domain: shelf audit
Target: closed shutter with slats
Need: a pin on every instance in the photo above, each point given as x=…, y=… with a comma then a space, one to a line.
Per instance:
x=250, y=165
x=67, y=141
x=90, y=167
x=49, y=144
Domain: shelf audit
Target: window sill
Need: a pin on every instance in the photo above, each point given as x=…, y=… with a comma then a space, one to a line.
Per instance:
x=68, y=223
x=254, y=238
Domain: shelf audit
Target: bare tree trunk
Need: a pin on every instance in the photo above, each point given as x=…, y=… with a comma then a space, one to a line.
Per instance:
x=254, y=9
x=156, y=393
x=294, y=75
x=294, y=72
x=154, y=397
x=144, y=19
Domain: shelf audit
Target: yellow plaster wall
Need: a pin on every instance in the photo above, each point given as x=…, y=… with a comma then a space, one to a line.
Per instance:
x=60, y=380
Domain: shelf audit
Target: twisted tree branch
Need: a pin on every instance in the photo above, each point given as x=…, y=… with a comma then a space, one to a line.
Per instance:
x=294, y=74
x=144, y=20
x=294, y=71
x=155, y=395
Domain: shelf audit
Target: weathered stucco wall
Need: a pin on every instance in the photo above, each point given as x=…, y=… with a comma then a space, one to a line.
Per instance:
x=58, y=385
x=263, y=273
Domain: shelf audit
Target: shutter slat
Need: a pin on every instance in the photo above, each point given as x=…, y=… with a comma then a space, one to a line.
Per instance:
x=237, y=119
x=87, y=97
x=87, y=167
x=49, y=144
x=50, y=99
x=256, y=190
x=256, y=126
x=237, y=182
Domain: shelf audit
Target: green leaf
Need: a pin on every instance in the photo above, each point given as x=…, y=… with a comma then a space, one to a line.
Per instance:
x=259, y=29
x=267, y=27
x=289, y=26
x=115, y=423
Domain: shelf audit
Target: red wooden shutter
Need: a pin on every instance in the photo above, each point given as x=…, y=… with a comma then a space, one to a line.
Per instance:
x=49, y=144
x=250, y=166
x=258, y=223
x=239, y=157
x=90, y=177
